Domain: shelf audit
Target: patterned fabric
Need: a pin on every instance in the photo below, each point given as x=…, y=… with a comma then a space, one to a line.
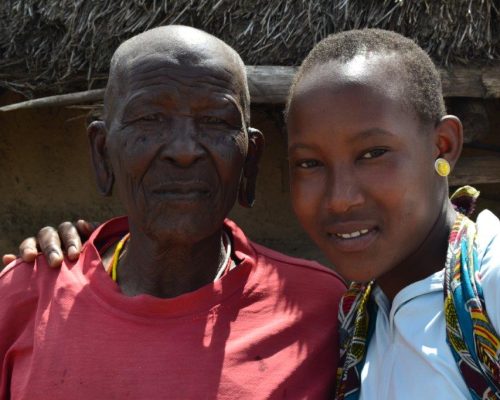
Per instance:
x=472, y=339
x=464, y=199
x=356, y=327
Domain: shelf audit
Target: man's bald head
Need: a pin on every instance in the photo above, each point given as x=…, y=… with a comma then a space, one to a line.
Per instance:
x=182, y=46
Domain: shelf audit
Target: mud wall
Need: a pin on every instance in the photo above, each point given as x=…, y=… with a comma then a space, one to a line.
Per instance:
x=45, y=178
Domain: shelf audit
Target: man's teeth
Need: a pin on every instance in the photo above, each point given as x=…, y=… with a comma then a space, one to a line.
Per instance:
x=352, y=234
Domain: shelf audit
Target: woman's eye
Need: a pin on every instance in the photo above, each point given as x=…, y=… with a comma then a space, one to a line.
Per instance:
x=306, y=164
x=373, y=153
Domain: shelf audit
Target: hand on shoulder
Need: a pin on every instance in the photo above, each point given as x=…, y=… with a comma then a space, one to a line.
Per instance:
x=52, y=242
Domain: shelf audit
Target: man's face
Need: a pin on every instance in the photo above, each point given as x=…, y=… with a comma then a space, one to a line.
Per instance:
x=362, y=178
x=177, y=142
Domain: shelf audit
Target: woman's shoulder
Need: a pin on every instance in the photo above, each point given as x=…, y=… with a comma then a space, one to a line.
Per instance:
x=488, y=245
x=488, y=237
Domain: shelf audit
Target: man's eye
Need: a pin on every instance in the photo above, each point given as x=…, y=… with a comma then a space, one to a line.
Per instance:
x=307, y=164
x=373, y=153
x=151, y=117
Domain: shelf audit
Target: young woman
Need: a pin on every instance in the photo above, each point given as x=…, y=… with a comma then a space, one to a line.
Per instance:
x=370, y=146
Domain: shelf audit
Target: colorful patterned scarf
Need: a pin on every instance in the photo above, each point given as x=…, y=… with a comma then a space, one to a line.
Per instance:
x=472, y=339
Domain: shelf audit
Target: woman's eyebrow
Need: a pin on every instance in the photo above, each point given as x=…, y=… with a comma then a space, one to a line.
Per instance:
x=300, y=146
x=370, y=132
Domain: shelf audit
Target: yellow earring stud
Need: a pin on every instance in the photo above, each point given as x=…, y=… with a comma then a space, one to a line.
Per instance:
x=442, y=167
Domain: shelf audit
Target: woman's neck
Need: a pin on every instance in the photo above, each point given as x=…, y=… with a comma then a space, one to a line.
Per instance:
x=428, y=258
x=170, y=269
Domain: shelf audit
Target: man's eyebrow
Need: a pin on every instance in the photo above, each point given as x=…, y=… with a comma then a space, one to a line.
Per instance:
x=138, y=99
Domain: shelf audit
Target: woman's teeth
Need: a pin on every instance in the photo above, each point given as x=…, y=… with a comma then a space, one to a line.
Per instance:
x=352, y=235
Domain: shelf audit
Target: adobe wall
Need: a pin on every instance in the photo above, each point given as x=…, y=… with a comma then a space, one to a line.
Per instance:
x=45, y=178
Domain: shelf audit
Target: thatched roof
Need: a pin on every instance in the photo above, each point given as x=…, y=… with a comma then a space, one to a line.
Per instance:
x=54, y=46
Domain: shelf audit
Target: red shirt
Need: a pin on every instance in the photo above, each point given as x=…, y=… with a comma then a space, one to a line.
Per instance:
x=266, y=330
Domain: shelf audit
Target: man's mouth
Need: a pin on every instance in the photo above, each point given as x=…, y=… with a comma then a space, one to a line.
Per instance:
x=182, y=190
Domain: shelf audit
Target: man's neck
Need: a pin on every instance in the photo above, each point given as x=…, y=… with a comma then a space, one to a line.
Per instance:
x=171, y=269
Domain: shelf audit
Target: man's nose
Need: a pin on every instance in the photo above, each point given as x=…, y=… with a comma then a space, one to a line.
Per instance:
x=344, y=191
x=183, y=149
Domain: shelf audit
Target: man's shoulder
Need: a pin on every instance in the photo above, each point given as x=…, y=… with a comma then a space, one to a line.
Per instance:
x=20, y=284
x=24, y=278
x=17, y=273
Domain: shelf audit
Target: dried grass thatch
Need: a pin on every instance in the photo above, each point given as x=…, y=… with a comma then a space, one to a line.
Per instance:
x=60, y=45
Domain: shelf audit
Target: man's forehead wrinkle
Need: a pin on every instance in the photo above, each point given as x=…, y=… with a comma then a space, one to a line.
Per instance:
x=212, y=78
x=212, y=62
x=172, y=93
x=179, y=74
x=154, y=62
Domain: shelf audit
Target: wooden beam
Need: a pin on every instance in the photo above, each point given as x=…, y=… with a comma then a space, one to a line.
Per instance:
x=88, y=96
x=269, y=84
x=463, y=81
x=476, y=170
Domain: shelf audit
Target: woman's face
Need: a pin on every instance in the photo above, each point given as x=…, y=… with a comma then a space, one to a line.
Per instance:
x=361, y=167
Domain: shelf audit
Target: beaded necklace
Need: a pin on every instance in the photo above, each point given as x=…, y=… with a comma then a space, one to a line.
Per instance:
x=117, y=255
x=227, y=263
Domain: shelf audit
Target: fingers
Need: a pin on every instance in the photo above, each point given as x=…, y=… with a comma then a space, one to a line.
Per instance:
x=7, y=259
x=48, y=240
x=71, y=239
x=28, y=250
x=85, y=228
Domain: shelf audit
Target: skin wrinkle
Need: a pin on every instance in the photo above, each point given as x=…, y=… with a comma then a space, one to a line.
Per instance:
x=188, y=81
x=211, y=89
x=209, y=99
x=216, y=73
x=215, y=84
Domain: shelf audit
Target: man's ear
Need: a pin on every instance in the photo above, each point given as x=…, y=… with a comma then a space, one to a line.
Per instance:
x=448, y=139
x=246, y=194
x=97, y=133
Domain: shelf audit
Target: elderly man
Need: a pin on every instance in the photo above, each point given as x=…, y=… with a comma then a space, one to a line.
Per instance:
x=173, y=301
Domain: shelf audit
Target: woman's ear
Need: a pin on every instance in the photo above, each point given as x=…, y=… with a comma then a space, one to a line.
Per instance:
x=246, y=193
x=449, y=139
x=97, y=133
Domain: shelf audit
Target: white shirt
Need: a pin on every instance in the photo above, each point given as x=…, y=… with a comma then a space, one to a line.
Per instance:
x=408, y=357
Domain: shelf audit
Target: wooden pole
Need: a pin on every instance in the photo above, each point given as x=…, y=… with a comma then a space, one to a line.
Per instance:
x=269, y=84
x=61, y=100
